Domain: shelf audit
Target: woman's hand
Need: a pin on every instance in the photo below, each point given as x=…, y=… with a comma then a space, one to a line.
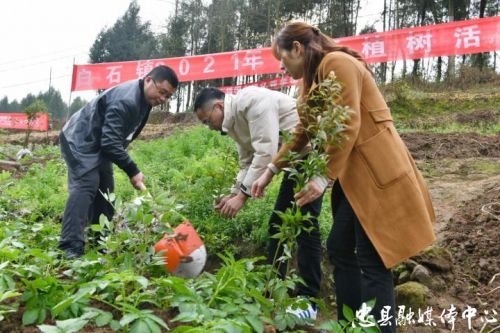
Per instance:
x=309, y=193
x=261, y=183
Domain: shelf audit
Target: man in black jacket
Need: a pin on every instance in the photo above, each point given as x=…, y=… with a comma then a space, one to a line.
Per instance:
x=97, y=136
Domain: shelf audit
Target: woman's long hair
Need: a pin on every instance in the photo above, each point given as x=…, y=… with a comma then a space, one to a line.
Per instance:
x=316, y=45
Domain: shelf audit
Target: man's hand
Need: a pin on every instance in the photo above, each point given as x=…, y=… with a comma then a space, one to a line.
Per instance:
x=138, y=182
x=232, y=206
x=260, y=184
x=223, y=201
x=309, y=193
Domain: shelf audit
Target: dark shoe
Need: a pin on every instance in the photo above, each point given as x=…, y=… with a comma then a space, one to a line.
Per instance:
x=73, y=253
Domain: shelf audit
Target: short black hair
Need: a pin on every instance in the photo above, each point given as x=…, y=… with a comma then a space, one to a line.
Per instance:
x=162, y=73
x=207, y=95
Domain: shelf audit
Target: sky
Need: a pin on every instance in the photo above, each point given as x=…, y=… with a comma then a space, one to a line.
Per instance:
x=41, y=39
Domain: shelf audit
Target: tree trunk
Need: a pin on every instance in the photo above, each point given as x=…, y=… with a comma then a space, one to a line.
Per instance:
x=383, y=66
x=480, y=57
x=395, y=26
x=415, y=73
x=439, y=69
x=482, y=8
x=416, y=62
x=355, y=23
x=27, y=138
x=437, y=20
x=179, y=100
x=188, y=97
x=345, y=20
x=451, y=59
x=495, y=52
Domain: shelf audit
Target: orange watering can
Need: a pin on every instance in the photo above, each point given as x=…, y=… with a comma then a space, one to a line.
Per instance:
x=183, y=251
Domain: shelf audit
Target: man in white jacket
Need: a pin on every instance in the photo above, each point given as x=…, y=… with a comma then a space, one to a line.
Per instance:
x=253, y=118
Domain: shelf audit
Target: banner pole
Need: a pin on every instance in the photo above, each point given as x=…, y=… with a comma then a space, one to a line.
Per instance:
x=70, y=94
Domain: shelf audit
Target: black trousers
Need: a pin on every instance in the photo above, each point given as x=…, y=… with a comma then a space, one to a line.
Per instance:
x=309, y=243
x=86, y=203
x=359, y=273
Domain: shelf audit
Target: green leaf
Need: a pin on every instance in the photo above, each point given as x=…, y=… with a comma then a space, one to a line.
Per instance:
x=252, y=309
x=42, y=314
x=102, y=284
x=75, y=309
x=372, y=329
x=71, y=325
x=61, y=306
x=331, y=325
x=228, y=327
x=256, y=323
x=187, y=329
x=280, y=322
x=112, y=197
x=142, y=281
x=292, y=320
x=18, y=244
x=7, y=282
x=348, y=314
x=140, y=326
x=103, y=221
x=261, y=299
x=186, y=316
x=90, y=313
x=30, y=316
x=158, y=320
x=49, y=329
x=103, y=319
x=96, y=227
x=154, y=327
x=114, y=325
x=128, y=318
x=8, y=294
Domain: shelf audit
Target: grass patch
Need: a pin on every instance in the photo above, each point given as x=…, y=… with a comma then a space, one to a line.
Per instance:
x=445, y=128
x=459, y=167
x=453, y=111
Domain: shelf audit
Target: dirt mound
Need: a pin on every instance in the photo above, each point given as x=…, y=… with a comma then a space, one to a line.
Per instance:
x=182, y=117
x=162, y=117
x=150, y=131
x=451, y=145
x=478, y=117
x=423, y=146
x=471, y=236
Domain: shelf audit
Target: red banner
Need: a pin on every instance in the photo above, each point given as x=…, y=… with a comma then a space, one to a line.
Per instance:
x=454, y=38
x=274, y=84
x=20, y=121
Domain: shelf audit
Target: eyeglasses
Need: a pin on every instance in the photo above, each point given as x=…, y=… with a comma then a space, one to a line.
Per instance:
x=164, y=93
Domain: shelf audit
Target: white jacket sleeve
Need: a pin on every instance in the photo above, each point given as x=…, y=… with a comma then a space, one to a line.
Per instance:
x=263, y=123
x=245, y=159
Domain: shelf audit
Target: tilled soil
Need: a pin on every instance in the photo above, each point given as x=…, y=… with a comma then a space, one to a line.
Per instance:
x=425, y=146
x=472, y=236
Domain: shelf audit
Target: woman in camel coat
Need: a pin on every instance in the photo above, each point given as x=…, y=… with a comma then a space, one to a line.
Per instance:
x=381, y=206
